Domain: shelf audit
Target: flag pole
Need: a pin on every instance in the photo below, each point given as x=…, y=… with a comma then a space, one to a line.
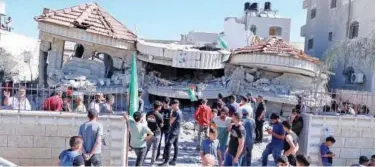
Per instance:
x=133, y=100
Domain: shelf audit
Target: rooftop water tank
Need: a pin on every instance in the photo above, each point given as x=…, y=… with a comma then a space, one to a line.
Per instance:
x=246, y=6
x=268, y=6
x=254, y=6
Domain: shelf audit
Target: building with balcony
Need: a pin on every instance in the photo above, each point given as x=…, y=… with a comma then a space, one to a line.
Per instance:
x=263, y=22
x=343, y=30
x=330, y=21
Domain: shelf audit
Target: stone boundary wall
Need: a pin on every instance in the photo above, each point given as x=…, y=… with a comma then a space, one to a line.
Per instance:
x=355, y=136
x=36, y=138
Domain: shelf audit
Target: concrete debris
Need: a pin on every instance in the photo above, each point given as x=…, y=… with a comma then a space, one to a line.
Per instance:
x=249, y=77
x=234, y=86
x=89, y=68
x=85, y=74
x=299, y=81
x=263, y=81
x=238, y=74
x=188, y=126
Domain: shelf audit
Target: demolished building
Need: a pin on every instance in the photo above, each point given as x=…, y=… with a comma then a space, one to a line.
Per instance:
x=279, y=72
x=85, y=47
x=174, y=66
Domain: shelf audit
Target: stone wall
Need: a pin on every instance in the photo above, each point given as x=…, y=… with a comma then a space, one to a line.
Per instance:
x=34, y=138
x=355, y=136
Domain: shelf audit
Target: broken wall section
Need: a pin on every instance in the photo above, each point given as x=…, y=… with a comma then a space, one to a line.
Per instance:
x=87, y=72
x=276, y=86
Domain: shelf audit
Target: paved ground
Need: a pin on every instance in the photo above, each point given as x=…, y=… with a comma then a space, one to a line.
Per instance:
x=189, y=156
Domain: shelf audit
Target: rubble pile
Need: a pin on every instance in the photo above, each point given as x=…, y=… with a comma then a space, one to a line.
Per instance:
x=86, y=74
x=272, y=83
x=201, y=80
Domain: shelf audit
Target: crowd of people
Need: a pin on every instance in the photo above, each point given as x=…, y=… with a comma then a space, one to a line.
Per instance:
x=226, y=132
x=63, y=101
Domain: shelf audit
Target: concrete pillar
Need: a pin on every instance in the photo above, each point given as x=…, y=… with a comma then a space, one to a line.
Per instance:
x=44, y=47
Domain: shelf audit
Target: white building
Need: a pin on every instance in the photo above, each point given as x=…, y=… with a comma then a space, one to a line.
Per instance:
x=330, y=21
x=339, y=27
x=2, y=7
x=263, y=22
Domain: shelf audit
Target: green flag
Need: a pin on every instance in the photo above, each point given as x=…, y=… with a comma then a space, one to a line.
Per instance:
x=133, y=87
x=191, y=94
x=222, y=43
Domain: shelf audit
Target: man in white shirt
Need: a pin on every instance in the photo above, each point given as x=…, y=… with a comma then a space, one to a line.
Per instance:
x=222, y=122
x=244, y=104
x=18, y=102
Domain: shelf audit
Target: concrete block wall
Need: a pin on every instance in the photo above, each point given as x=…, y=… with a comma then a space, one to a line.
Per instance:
x=36, y=138
x=355, y=136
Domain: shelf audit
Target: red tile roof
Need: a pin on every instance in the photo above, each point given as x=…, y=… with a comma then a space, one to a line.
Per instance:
x=275, y=46
x=91, y=17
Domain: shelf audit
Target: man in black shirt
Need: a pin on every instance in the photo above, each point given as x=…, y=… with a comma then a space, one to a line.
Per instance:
x=235, y=149
x=296, y=122
x=155, y=123
x=166, y=113
x=260, y=112
x=218, y=102
x=173, y=136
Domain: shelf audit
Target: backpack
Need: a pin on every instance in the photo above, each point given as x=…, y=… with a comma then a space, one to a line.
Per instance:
x=67, y=157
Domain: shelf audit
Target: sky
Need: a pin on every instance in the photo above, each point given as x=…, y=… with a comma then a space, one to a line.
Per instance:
x=158, y=19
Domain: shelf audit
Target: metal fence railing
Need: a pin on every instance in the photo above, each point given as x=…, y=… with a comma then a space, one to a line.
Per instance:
x=112, y=100
x=26, y=97
x=344, y=101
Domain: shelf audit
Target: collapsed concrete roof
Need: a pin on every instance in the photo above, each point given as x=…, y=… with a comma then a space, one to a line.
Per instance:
x=89, y=17
x=275, y=46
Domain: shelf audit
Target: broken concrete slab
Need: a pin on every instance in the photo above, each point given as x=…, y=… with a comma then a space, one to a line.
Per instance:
x=249, y=77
